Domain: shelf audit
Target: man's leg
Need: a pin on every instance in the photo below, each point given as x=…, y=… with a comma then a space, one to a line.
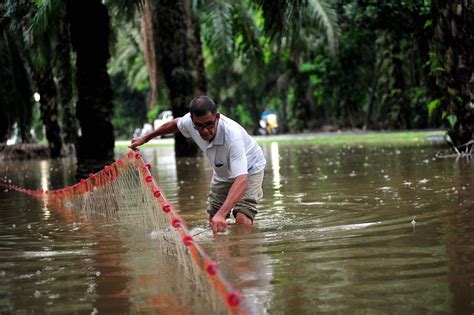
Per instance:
x=241, y=218
x=246, y=210
x=217, y=195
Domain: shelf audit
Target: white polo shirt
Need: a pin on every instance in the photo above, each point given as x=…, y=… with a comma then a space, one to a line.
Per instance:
x=232, y=152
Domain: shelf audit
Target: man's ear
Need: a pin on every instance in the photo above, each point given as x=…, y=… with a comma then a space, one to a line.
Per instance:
x=218, y=115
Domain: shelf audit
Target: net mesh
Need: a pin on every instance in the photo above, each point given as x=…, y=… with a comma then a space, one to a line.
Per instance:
x=127, y=192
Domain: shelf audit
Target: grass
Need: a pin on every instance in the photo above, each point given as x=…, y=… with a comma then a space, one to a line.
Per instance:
x=410, y=137
x=402, y=138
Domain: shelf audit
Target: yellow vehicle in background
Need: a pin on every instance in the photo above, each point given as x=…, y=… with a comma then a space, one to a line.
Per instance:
x=268, y=124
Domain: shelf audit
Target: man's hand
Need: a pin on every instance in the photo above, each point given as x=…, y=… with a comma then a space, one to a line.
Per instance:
x=218, y=223
x=138, y=142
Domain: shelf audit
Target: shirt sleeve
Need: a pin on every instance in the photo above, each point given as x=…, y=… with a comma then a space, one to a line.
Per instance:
x=237, y=158
x=184, y=123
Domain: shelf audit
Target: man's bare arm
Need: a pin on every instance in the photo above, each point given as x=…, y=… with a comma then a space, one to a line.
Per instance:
x=236, y=192
x=167, y=128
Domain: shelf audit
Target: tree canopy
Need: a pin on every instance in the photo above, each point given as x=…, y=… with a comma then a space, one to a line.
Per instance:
x=318, y=64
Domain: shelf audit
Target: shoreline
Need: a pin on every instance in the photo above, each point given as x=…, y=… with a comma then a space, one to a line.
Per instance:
x=28, y=151
x=419, y=136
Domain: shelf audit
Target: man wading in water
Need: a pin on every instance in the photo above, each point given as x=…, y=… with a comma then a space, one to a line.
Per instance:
x=238, y=161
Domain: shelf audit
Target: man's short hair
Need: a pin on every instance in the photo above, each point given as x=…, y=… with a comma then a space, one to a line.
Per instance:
x=202, y=105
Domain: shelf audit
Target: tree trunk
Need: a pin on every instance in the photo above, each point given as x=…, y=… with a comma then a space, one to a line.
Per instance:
x=423, y=37
x=200, y=67
x=404, y=119
x=149, y=51
x=255, y=112
x=373, y=89
x=49, y=110
x=454, y=32
x=64, y=76
x=16, y=99
x=298, y=114
x=176, y=59
x=282, y=84
x=89, y=22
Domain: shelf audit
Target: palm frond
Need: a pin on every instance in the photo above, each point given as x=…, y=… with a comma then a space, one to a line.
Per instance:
x=322, y=11
x=245, y=27
x=128, y=57
x=218, y=27
x=274, y=13
x=45, y=29
x=125, y=9
x=17, y=103
x=288, y=21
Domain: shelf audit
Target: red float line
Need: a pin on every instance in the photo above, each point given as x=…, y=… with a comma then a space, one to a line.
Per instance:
x=233, y=299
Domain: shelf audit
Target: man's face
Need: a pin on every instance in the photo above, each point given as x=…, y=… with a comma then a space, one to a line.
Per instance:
x=206, y=125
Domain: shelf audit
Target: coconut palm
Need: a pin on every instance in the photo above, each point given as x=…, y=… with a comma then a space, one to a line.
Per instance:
x=16, y=97
x=86, y=26
x=43, y=45
x=236, y=37
x=90, y=31
x=175, y=54
x=27, y=51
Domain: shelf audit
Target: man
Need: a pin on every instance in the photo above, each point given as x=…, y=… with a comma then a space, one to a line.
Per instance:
x=237, y=159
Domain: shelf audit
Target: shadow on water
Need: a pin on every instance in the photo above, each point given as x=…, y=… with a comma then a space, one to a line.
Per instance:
x=356, y=228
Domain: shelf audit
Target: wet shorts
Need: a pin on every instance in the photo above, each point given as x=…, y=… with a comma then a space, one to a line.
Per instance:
x=247, y=205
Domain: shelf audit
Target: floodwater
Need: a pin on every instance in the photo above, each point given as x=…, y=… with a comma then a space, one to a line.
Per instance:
x=341, y=229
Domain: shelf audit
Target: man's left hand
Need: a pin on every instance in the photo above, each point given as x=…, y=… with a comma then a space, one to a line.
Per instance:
x=218, y=223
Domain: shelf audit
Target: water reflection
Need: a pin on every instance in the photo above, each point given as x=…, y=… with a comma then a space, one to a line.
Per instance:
x=44, y=175
x=241, y=253
x=275, y=162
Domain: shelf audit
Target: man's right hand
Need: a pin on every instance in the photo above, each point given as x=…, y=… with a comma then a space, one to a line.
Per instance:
x=136, y=142
x=218, y=223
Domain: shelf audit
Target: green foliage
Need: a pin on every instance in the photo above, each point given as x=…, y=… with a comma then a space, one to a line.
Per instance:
x=16, y=96
x=433, y=105
x=297, y=24
x=153, y=113
x=44, y=27
x=435, y=66
x=349, y=64
x=243, y=115
x=130, y=108
x=452, y=119
x=128, y=56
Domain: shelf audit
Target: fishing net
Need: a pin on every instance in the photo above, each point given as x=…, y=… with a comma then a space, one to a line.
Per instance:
x=127, y=192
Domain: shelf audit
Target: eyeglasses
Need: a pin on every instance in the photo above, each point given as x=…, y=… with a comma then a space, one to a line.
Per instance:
x=208, y=126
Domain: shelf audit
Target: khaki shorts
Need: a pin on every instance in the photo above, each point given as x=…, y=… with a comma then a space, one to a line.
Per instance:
x=247, y=205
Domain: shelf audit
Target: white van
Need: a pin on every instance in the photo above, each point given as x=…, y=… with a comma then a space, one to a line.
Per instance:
x=163, y=117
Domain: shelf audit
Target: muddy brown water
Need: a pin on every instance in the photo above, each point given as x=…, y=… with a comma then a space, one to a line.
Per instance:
x=341, y=229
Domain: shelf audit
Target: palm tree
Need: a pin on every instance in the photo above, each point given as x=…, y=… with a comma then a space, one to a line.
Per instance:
x=37, y=54
x=90, y=30
x=175, y=54
x=233, y=33
x=16, y=96
x=220, y=23
x=301, y=26
x=42, y=45
x=64, y=71
x=149, y=50
x=49, y=109
x=454, y=32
